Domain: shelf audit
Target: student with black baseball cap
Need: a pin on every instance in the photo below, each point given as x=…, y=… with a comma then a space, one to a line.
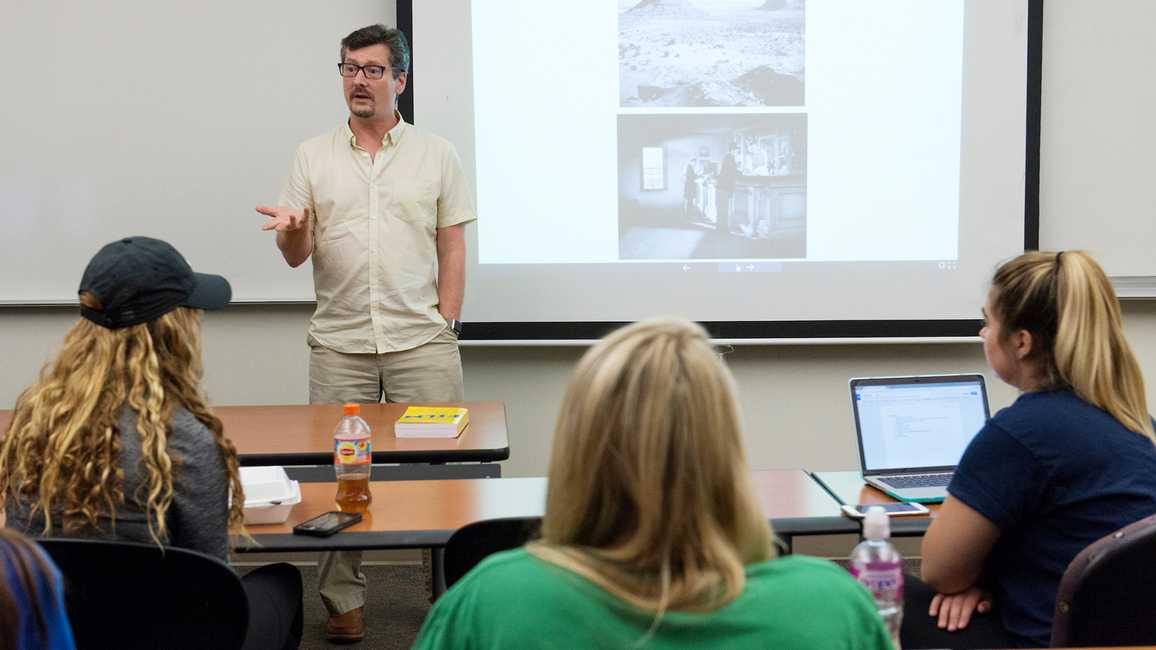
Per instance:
x=139, y=279
x=132, y=366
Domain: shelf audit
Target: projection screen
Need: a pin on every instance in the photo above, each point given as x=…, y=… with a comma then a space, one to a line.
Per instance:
x=772, y=168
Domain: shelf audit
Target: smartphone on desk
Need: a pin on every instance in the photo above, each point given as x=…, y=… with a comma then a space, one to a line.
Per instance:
x=327, y=524
x=892, y=509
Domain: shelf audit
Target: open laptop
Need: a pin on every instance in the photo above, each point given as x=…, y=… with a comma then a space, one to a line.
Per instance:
x=912, y=430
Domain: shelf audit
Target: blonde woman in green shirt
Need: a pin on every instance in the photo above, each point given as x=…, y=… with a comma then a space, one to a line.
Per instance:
x=652, y=535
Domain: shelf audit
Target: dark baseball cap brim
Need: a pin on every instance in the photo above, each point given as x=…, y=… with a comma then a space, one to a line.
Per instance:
x=210, y=292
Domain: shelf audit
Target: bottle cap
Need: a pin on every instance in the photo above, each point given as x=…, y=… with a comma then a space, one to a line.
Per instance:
x=353, y=409
x=876, y=526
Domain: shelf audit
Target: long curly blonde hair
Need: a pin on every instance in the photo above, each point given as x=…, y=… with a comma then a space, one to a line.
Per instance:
x=62, y=449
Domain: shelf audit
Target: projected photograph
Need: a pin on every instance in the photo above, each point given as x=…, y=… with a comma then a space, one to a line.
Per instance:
x=711, y=52
x=712, y=186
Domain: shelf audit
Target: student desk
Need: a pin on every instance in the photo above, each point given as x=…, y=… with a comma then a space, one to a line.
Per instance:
x=848, y=488
x=415, y=514
x=303, y=434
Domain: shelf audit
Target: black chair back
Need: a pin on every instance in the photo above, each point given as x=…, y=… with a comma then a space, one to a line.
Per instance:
x=1108, y=593
x=126, y=595
x=475, y=542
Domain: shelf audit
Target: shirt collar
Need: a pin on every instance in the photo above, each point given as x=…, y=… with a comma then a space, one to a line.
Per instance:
x=392, y=136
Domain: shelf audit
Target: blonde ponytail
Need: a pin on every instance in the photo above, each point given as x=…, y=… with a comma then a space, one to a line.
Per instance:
x=1065, y=301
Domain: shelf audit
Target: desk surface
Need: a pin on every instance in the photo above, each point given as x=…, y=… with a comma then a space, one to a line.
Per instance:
x=849, y=488
x=408, y=514
x=303, y=434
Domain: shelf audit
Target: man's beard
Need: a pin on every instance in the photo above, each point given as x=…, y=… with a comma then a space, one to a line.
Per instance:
x=367, y=112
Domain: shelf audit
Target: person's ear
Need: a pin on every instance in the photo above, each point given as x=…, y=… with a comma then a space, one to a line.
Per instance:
x=1021, y=341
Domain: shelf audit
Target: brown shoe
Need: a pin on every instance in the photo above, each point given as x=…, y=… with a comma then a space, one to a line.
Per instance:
x=347, y=627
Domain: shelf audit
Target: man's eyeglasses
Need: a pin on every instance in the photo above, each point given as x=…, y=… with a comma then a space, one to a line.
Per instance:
x=371, y=71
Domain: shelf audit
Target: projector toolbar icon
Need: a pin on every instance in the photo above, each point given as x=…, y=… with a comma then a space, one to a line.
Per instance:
x=750, y=267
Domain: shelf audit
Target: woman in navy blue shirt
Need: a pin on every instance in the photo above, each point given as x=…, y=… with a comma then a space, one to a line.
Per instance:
x=1072, y=460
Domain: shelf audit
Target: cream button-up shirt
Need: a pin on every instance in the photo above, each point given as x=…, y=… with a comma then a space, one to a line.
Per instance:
x=374, y=226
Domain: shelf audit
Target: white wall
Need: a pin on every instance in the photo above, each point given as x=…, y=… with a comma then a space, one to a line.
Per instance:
x=794, y=396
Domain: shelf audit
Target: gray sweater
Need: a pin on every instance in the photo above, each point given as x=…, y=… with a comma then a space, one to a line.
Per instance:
x=198, y=516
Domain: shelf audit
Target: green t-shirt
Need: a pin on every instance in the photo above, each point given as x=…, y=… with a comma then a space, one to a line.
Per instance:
x=514, y=600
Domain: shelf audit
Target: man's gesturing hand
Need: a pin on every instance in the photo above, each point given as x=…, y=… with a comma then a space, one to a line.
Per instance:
x=284, y=218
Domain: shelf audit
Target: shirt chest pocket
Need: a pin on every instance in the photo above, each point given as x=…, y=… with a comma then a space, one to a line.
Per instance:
x=412, y=201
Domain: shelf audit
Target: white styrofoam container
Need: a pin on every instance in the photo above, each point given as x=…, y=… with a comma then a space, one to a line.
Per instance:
x=265, y=484
x=272, y=512
x=269, y=494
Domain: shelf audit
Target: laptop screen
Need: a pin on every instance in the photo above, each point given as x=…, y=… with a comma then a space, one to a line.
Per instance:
x=913, y=423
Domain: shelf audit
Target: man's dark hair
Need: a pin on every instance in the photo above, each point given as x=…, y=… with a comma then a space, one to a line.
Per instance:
x=380, y=35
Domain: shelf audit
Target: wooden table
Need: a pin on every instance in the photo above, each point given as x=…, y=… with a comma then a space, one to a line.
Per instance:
x=849, y=488
x=303, y=434
x=417, y=514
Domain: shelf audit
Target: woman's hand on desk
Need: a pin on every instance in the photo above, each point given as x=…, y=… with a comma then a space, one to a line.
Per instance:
x=955, y=610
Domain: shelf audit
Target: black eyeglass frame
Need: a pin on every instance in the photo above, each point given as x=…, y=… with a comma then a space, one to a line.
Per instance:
x=363, y=69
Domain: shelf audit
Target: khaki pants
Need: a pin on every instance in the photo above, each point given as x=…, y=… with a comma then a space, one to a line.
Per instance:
x=428, y=373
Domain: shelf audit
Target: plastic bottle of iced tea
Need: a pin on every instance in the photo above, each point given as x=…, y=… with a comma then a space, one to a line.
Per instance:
x=352, y=453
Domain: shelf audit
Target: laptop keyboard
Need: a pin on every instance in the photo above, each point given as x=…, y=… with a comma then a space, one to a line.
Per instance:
x=918, y=480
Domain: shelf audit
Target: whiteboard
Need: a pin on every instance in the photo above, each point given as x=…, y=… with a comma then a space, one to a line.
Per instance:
x=1098, y=137
x=166, y=119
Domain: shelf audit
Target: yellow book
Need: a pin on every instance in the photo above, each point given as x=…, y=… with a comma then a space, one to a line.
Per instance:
x=431, y=422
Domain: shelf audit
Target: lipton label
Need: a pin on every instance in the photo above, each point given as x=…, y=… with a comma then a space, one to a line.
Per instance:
x=351, y=452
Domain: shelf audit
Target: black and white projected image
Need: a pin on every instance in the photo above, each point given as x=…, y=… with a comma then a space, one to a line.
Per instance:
x=711, y=52
x=712, y=186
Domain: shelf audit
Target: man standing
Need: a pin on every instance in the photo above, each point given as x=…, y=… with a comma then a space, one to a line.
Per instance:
x=690, y=187
x=381, y=206
x=728, y=174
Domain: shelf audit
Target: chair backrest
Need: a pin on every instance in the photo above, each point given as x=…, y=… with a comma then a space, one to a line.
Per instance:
x=1107, y=596
x=474, y=542
x=126, y=595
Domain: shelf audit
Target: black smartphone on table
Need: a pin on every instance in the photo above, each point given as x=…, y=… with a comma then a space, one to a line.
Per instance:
x=327, y=524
